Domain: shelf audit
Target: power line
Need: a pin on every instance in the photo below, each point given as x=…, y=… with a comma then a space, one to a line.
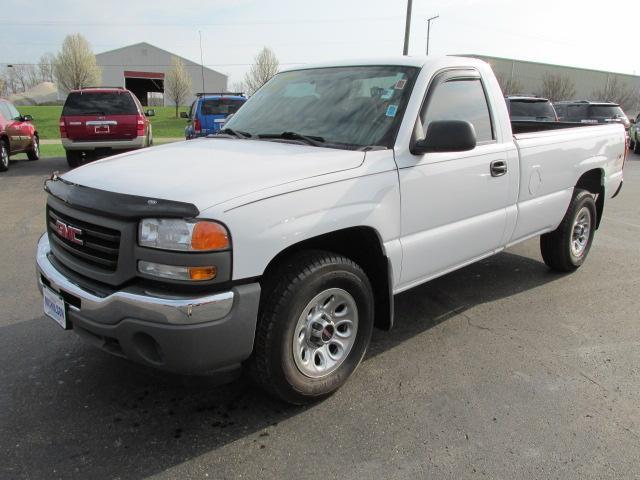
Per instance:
x=207, y=24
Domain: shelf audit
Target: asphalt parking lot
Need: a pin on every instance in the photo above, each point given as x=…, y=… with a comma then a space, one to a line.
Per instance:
x=499, y=370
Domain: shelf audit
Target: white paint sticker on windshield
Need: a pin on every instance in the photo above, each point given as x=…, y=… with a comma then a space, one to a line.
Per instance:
x=387, y=94
x=392, y=110
x=400, y=84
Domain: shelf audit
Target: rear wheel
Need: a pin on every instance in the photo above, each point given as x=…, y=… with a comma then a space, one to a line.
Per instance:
x=567, y=247
x=74, y=158
x=636, y=147
x=314, y=327
x=34, y=153
x=4, y=156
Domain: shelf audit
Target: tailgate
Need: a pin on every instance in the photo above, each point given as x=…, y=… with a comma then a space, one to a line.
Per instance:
x=212, y=123
x=93, y=127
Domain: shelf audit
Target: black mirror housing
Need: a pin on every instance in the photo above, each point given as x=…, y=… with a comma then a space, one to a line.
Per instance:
x=446, y=136
x=184, y=115
x=27, y=118
x=150, y=113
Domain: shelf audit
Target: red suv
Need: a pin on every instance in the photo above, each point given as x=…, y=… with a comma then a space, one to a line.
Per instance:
x=17, y=135
x=97, y=121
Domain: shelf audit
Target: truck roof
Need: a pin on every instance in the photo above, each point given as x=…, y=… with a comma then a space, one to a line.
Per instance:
x=401, y=61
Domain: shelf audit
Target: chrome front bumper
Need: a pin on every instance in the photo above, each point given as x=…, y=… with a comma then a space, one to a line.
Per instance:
x=183, y=334
x=133, y=302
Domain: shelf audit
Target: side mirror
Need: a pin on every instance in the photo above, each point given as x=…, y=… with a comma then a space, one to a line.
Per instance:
x=26, y=118
x=632, y=120
x=150, y=113
x=446, y=136
x=184, y=115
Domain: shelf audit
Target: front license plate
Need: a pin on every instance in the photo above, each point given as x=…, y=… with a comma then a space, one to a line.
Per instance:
x=54, y=307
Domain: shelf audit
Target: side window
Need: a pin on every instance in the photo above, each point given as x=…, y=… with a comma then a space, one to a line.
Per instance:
x=460, y=99
x=192, y=110
x=4, y=111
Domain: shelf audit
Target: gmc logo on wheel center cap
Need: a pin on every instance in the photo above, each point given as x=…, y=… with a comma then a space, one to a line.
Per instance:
x=68, y=232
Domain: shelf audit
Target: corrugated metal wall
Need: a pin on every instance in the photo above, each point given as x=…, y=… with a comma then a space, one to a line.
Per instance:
x=148, y=58
x=530, y=74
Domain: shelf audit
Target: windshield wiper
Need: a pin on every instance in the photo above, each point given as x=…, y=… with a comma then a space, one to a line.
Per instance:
x=309, y=139
x=234, y=133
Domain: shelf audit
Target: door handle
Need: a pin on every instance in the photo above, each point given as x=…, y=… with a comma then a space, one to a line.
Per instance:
x=498, y=168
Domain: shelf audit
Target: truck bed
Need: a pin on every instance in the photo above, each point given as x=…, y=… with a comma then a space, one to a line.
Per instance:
x=527, y=126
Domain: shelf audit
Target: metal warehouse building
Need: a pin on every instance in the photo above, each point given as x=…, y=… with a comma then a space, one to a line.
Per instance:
x=142, y=68
x=530, y=74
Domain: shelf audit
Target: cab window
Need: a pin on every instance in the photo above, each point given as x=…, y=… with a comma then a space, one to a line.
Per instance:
x=460, y=99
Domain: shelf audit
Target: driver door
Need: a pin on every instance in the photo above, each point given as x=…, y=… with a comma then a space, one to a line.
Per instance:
x=453, y=203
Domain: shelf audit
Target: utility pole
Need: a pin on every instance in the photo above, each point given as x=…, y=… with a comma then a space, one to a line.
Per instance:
x=407, y=29
x=201, y=61
x=429, y=30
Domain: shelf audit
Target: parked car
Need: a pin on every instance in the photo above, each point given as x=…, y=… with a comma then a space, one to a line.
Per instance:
x=18, y=134
x=101, y=121
x=279, y=244
x=209, y=112
x=634, y=136
x=584, y=111
x=530, y=108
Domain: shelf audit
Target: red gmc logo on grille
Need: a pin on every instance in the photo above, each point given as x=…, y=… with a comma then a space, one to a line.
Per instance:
x=68, y=232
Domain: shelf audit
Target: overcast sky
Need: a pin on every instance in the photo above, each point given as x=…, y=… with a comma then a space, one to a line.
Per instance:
x=588, y=33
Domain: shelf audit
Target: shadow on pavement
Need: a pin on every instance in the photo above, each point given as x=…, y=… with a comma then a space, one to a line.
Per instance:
x=43, y=167
x=68, y=410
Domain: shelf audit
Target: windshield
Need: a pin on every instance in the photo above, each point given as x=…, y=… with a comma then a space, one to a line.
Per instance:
x=532, y=109
x=99, y=103
x=347, y=107
x=221, y=106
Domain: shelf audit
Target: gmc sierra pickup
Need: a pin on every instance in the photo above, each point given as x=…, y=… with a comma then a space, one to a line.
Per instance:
x=279, y=243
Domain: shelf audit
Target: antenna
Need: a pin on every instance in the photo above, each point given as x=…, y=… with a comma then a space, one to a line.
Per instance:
x=201, y=61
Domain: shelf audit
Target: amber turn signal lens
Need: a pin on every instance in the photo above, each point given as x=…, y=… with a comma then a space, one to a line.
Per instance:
x=209, y=236
x=202, y=273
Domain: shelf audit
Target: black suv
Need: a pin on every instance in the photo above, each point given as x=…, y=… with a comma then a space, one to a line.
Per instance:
x=530, y=108
x=584, y=111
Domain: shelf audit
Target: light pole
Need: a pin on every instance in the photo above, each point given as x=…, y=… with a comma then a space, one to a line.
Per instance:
x=407, y=29
x=429, y=30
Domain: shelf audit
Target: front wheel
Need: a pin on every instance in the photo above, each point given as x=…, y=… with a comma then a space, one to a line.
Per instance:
x=4, y=156
x=567, y=247
x=636, y=147
x=314, y=327
x=34, y=153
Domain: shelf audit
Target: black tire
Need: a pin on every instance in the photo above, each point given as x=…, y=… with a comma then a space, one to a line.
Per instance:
x=286, y=294
x=556, y=246
x=34, y=153
x=4, y=156
x=74, y=158
x=636, y=147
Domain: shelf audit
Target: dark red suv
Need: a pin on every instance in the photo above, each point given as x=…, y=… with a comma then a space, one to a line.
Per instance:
x=100, y=121
x=17, y=135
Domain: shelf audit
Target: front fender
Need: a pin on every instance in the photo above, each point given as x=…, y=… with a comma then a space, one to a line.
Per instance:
x=263, y=228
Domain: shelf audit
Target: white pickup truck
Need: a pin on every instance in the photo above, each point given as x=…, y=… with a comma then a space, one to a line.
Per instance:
x=279, y=243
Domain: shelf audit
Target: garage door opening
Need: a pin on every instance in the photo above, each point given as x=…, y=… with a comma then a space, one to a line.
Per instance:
x=147, y=86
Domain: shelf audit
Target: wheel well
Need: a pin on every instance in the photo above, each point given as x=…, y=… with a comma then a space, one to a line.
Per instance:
x=593, y=181
x=5, y=139
x=363, y=246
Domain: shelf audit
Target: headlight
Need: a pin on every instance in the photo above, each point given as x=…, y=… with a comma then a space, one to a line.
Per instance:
x=183, y=235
